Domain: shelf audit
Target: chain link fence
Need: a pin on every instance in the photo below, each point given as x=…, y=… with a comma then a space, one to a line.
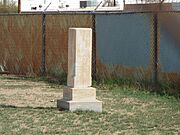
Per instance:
x=123, y=46
x=169, y=47
x=20, y=44
x=141, y=46
x=57, y=40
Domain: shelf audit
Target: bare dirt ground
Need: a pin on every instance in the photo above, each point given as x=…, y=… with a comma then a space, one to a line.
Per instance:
x=28, y=106
x=23, y=93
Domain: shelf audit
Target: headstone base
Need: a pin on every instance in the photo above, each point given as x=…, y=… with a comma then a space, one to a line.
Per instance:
x=72, y=106
x=79, y=94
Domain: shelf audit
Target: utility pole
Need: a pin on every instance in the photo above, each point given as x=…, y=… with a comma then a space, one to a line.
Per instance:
x=114, y=3
x=19, y=6
x=124, y=3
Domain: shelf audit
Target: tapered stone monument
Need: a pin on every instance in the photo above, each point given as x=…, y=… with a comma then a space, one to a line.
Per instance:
x=79, y=95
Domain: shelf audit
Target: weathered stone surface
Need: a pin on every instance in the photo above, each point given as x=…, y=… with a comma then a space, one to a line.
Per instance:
x=79, y=95
x=79, y=57
x=80, y=105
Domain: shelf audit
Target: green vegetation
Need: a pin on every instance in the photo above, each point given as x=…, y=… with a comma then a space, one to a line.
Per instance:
x=162, y=88
x=30, y=108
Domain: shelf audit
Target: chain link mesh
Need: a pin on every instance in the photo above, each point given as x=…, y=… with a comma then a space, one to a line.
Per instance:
x=57, y=40
x=169, y=49
x=125, y=45
x=20, y=44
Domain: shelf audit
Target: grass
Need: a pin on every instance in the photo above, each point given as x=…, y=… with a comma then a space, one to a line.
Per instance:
x=162, y=88
x=30, y=108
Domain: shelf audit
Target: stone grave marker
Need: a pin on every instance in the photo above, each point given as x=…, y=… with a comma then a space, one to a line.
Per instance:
x=79, y=95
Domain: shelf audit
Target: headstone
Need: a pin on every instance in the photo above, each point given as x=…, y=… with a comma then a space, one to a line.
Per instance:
x=79, y=95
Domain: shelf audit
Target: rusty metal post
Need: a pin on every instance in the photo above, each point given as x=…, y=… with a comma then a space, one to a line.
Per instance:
x=155, y=60
x=19, y=6
x=43, y=44
x=124, y=3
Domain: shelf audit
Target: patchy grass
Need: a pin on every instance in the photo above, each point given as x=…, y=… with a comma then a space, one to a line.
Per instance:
x=30, y=108
x=162, y=88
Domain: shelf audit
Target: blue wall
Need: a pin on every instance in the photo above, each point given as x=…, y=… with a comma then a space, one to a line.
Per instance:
x=124, y=39
x=169, y=52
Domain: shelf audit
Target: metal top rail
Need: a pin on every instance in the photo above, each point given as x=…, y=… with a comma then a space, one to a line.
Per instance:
x=85, y=13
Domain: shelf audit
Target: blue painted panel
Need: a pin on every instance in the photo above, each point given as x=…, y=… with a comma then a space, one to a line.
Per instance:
x=169, y=52
x=124, y=39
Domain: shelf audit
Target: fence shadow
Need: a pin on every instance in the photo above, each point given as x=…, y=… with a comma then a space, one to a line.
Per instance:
x=27, y=107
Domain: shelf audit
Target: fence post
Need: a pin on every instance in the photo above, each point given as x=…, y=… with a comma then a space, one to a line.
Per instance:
x=43, y=44
x=94, y=47
x=155, y=48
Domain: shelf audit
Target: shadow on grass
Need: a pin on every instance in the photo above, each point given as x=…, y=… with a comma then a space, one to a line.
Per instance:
x=27, y=107
x=77, y=112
